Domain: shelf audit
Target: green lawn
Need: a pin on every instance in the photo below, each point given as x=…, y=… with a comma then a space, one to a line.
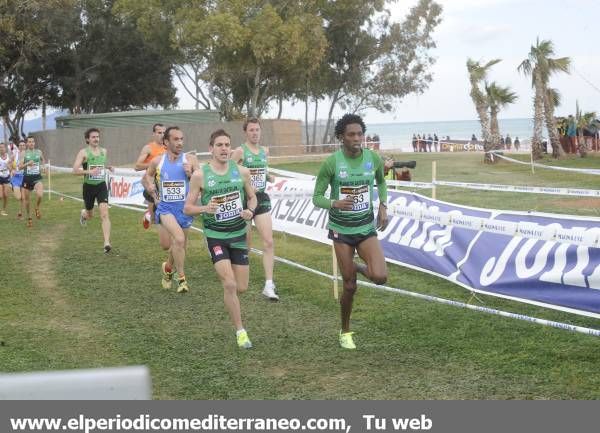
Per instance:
x=67, y=305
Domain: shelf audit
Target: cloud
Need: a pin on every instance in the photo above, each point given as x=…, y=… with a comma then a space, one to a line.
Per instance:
x=483, y=33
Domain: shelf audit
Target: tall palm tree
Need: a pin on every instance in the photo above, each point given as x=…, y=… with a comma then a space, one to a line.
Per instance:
x=541, y=66
x=497, y=98
x=477, y=74
x=551, y=101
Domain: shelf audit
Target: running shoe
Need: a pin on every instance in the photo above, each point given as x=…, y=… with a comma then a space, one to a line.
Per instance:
x=82, y=217
x=361, y=268
x=20, y=216
x=29, y=222
x=346, y=340
x=3, y=213
x=243, y=341
x=167, y=277
x=183, y=286
x=147, y=219
x=107, y=249
x=269, y=292
x=38, y=214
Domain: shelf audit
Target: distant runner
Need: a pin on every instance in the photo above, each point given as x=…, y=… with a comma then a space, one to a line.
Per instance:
x=148, y=153
x=91, y=164
x=32, y=162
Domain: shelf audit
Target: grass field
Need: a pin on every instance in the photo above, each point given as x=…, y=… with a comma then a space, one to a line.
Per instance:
x=64, y=304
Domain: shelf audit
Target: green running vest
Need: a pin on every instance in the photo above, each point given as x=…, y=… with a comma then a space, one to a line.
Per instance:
x=354, y=177
x=258, y=167
x=228, y=190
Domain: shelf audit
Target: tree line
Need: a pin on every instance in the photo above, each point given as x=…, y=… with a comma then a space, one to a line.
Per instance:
x=239, y=57
x=489, y=98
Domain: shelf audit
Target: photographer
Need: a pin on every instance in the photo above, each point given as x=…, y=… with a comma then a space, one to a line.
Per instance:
x=398, y=170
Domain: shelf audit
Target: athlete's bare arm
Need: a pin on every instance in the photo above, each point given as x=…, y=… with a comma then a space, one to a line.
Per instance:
x=237, y=155
x=140, y=164
x=77, y=165
x=191, y=206
x=148, y=178
x=251, y=201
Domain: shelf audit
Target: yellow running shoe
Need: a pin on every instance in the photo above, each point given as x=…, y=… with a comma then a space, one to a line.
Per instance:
x=167, y=277
x=346, y=340
x=243, y=341
x=183, y=286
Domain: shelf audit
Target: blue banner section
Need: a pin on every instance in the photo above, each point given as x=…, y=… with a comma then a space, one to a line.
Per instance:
x=555, y=274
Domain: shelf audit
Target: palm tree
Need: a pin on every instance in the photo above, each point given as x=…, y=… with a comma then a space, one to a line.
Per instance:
x=497, y=97
x=477, y=74
x=551, y=101
x=541, y=66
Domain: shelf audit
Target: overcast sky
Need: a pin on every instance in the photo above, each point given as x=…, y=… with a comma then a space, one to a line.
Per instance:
x=505, y=29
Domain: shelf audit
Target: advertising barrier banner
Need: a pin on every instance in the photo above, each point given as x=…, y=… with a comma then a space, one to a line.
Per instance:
x=125, y=190
x=536, y=258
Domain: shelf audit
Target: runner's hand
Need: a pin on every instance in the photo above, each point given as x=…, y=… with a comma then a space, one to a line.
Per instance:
x=247, y=214
x=95, y=171
x=382, y=219
x=188, y=169
x=212, y=206
x=345, y=204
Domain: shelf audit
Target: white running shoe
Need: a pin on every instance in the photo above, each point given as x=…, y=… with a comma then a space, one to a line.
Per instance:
x=82, y=219
x=269, y=292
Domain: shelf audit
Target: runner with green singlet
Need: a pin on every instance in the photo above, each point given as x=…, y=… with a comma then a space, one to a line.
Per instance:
x=351, y=172
x=32, y=162
x=254, y=156
x=90, y=163
x=227, y=202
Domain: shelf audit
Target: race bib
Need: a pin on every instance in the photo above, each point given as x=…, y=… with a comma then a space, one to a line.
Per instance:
x=33, y=169
x=230, y=206
x=361, y=196
x=4, y=172
x=100, y=175
x=173, y=190
x=258, y=178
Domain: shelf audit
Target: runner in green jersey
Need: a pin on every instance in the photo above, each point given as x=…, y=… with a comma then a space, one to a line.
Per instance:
x=32, y=162
x=227, y=202
x=253, y=156
x=351, y=173
x=90, y=163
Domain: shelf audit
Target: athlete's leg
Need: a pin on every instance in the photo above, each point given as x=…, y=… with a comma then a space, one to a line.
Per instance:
x=345, y=258
x=265, y=230
x=178, y=237
x=105, y=220
x=18, y=194
x=27, y=200
x=4, y=193
x=242, y=275
x=370, y=251
x=232, y=303
x=39, y=192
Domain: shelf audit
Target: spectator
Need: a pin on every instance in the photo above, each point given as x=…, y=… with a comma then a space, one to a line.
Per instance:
x=414, y=143
x=473, y=139
x=436, y=141
x=502, y=143
x=517, y=144
x=376, y=141
x=572, y=134
x=429, y=142
x=508, y=142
